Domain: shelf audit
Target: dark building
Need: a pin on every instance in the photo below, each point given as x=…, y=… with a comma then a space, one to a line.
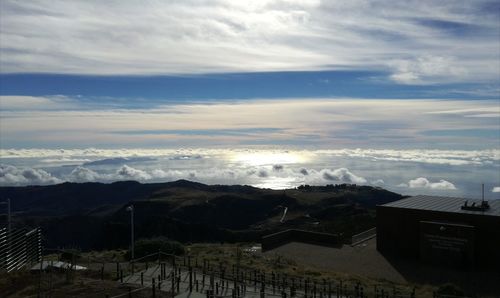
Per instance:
x=453, y=232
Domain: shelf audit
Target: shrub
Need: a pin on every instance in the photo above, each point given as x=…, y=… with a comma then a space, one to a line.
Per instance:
x=450, y=289
x=144, y=247
x=70, y=255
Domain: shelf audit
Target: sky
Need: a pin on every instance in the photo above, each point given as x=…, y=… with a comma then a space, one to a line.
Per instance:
x=403, y=95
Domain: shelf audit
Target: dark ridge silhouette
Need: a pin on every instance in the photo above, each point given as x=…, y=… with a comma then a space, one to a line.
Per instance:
x=93, y=215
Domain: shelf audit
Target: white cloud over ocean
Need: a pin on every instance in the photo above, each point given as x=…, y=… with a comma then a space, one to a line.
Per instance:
x=415, y=42
x=13, y=176
x=423, y=183
x=412, y=172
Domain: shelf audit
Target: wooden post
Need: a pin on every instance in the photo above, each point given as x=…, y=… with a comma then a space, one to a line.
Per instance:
x=153, y=287
x=190, y=279
x=273, y=281
x=172, y=278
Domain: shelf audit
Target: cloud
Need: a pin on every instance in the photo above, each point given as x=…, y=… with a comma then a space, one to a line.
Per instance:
x=15, y=103
x=342, y=175
x=424, y=183
x=82, y=174
x=346, y=123
x=495, y=189
x=427, y=69
x=126, y=172
x=262, y=173
x=242, y=36
x=378, y=182
x=11, y=175
x=278, y=168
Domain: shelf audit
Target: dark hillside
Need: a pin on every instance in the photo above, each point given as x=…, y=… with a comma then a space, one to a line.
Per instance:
x=93, y=215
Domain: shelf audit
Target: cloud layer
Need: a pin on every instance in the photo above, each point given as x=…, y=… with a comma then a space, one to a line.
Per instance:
x=416, y=42
x=445, y=172
x=320, y=123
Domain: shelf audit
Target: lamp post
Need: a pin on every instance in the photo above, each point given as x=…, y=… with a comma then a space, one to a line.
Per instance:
x=131, y=210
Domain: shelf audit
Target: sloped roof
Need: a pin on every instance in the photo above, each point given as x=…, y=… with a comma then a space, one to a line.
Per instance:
x=444, y=204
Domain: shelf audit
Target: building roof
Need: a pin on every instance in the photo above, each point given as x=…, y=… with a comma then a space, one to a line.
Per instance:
x=444, y=204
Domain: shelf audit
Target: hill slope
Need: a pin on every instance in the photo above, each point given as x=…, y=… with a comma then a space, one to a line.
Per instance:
x=93, y=215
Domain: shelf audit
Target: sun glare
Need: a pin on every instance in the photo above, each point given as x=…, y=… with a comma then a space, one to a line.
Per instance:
x=268, y=158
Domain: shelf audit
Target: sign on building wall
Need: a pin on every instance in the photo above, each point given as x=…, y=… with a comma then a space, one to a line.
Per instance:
x=447, y=244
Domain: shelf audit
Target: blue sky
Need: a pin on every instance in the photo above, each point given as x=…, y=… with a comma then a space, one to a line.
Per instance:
x=266, y=74
x=143, y=90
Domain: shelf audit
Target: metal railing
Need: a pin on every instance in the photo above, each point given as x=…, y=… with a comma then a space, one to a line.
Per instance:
x=363, y=236
x=19, y=247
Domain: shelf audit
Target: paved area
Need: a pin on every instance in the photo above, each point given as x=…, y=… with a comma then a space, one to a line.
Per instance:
x=363, y=259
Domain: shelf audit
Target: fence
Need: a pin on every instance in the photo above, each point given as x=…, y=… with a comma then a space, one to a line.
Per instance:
x=19, y=248
x=164, y=275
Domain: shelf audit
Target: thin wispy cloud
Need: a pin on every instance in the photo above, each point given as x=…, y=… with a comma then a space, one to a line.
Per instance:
x=414, y=42
x=322, y=123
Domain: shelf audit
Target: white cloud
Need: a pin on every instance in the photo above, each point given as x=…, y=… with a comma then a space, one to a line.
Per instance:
x=232, y=36
x=82, y=174
x=11, y=175
x=427, y=69
x=342, y=175
x=126, y=172
x=495, y=189
x=378, y=182
x=33, y=103
x=436, y=157
x=422, y=182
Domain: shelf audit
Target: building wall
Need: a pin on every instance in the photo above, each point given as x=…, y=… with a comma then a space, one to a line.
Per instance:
x=398, y=233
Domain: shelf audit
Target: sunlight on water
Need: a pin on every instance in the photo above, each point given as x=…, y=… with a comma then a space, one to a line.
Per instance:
x=278, y=183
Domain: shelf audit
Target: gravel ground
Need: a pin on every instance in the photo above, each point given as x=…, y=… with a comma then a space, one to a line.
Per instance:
x=365, y=260
x=362, y=259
